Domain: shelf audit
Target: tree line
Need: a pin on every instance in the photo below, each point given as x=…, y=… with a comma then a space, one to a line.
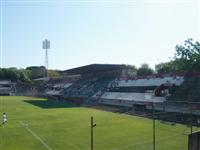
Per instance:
x=26, y=75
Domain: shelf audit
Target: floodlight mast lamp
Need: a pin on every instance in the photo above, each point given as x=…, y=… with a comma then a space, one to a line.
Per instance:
x=46, y=46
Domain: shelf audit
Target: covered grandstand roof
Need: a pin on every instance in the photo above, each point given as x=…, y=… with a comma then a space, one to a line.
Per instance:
x=94, y=68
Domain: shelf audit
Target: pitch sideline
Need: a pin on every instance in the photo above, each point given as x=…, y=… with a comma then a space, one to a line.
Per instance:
x=35, y=135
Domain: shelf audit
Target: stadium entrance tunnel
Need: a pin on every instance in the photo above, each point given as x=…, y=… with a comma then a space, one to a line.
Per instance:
x=48, y=104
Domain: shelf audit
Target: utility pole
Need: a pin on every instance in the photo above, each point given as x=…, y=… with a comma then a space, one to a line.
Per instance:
x=154, y=127
x=92, y=126
x=191, y=119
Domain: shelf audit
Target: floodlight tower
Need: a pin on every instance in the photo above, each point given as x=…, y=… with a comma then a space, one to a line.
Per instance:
x=46, y=46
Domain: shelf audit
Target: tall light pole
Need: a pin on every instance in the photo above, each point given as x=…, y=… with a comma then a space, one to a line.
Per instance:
x=92, y=126
x=46, y=46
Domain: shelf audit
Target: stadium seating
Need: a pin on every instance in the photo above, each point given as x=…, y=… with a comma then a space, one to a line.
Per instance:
x=151, y=82
x=139, y=97
x=86, y=87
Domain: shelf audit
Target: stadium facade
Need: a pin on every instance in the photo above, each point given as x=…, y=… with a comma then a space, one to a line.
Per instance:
x=112, y=85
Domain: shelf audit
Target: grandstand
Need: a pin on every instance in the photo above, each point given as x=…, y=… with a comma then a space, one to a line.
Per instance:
x=108, y=85
x=7, y=88
x=139, y=93
x=104, y=85
x=94, y=78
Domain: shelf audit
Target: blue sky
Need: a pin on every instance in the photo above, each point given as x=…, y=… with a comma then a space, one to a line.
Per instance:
x=96, y=32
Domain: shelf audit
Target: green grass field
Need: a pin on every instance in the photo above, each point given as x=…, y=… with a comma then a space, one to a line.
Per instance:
x=36, y=124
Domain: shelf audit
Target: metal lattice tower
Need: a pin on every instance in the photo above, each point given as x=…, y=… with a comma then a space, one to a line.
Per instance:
x=46, y=46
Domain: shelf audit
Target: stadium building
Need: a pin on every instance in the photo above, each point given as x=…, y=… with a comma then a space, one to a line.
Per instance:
x=110, y=85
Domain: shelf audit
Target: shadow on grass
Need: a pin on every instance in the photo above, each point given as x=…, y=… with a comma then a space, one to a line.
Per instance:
x=50, y=104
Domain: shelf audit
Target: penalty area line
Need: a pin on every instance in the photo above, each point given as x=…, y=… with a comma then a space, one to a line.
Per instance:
x=35, y=135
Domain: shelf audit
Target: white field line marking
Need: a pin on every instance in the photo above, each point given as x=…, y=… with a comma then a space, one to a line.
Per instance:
x=35, y=135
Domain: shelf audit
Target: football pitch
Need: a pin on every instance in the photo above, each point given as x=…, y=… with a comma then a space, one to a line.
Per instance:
x=36, y=124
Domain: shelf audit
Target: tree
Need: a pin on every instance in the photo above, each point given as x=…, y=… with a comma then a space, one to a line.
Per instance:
x=187, y=56
x=53, y=73
x=24, y=75
x=163, y=68
x=131, y=69
x=12, y=74
x=36, y=72
x=144, y=70
x=1, y=73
